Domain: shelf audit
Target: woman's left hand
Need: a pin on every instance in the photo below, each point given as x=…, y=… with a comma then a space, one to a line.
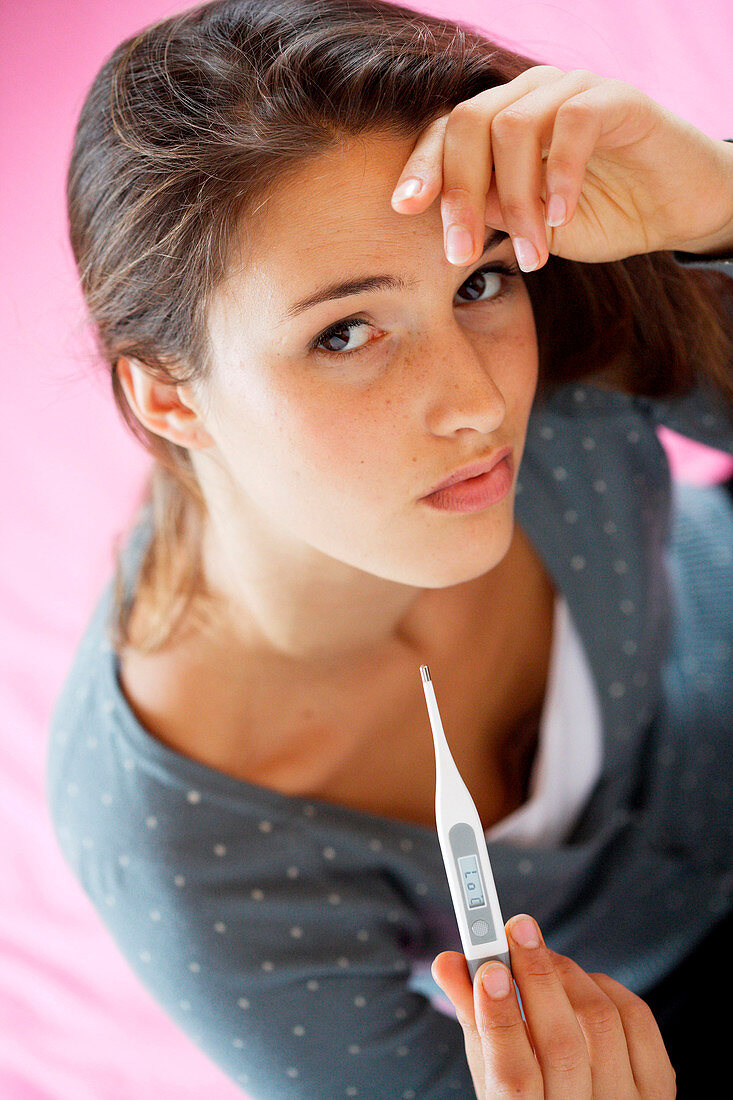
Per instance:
x=634, y=176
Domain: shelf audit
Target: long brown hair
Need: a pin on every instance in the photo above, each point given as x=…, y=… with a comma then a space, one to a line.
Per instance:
x=187, y=128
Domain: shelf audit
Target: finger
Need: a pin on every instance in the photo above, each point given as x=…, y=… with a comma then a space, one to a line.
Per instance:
x=510, y=1065
x=450, y=971
x=469, y=158
x=426, y=161
x=498, y=1046
x=575, y=135
x=648, y=1056
x=585, y=122
x=519, y=134
x=467, y=168
x=601, y=1023
x=425, y=164
x=518, y=168
x=558, y=1040
x=575, y=116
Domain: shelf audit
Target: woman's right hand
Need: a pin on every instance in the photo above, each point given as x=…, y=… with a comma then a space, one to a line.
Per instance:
x=586, y=1035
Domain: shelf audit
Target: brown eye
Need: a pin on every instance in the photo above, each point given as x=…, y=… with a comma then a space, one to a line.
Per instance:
x=476, y=286
x=335, y=333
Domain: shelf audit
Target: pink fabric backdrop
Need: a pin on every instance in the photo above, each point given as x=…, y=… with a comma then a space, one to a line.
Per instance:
x=74, y=1022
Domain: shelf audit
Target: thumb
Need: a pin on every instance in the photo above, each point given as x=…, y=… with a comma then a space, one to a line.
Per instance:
x=450, y=971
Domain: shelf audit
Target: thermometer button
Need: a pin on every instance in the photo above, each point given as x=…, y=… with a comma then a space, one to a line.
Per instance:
x=480, y=928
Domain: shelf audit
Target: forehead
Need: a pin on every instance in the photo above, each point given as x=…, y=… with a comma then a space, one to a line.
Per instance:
x=329, y=220
x=330, y=216
x=340, y=193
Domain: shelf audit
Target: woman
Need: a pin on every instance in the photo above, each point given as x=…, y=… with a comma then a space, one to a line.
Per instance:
x=241, y=767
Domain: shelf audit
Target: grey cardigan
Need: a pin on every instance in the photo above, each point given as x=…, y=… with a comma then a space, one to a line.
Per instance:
x=291, y=938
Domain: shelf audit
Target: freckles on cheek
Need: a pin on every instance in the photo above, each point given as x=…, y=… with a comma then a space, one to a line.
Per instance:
x=346, y=446
x=516, y=367
x=347, y=449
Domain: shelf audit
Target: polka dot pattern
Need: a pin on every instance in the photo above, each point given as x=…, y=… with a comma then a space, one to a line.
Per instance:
x=285, y=935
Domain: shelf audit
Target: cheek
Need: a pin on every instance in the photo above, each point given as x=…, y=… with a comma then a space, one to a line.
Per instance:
x=516, y=372
x=516, y=362
x=344, y=437
x=325, y=435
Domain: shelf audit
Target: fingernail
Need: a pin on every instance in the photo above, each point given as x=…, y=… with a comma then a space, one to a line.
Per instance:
x=526, y=253
x=524, y=931
x=496, y=980
x=556, y=210
x=458, y=244
x=407, y=189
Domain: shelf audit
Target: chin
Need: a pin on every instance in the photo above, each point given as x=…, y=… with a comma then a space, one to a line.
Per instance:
x=467, y=559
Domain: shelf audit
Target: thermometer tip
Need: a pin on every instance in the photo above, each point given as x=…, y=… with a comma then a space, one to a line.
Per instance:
x=425, y=673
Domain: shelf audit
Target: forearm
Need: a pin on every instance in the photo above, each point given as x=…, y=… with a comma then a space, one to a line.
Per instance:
x=720, y=241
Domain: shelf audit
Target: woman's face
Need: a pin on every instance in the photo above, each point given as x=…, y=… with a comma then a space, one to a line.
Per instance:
x=321, y=452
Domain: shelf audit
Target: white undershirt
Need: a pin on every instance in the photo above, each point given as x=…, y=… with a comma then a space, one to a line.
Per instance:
x=568, y=758
x=565, y=768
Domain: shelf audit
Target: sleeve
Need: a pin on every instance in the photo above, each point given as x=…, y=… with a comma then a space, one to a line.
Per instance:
x=647, y=870
x=701, y=414
x=287, y=962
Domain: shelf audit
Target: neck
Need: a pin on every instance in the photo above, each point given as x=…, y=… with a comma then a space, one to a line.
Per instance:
x=330, y=616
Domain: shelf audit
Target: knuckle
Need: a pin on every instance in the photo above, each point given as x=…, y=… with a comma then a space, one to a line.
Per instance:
x=514, y=210
x=563, y=965
x=456, y=194
x=562, y=962
x=467, y=108
x=559, y=165
x=540, y=969
x=600, y=1016
x=525, y=1085
x=502, y=1025
x=566, y=1055
x=507, y=122
x=585, y=75
x=638, y=1014
x=549, y=69
x=575, y=109
x=536, y=75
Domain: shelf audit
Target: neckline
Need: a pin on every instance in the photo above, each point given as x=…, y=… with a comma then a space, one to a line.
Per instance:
x=205, y=777
x=208, y=781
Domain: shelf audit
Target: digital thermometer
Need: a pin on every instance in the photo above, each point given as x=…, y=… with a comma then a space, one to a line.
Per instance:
x=465, y=855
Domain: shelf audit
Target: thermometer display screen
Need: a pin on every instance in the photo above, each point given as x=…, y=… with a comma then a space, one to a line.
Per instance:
x=471, y=879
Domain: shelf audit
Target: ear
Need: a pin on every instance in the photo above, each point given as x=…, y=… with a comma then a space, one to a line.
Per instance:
x=165, y=408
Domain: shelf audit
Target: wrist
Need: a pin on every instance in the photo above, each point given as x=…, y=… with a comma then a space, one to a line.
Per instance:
x=719, y=242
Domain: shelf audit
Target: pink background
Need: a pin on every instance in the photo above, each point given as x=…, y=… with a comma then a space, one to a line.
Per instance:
x=74, y=1022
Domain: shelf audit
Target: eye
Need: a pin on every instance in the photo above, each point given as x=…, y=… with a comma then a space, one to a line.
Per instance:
x=475, y=286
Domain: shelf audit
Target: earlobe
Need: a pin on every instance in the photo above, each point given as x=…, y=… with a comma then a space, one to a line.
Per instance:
x=161, y=407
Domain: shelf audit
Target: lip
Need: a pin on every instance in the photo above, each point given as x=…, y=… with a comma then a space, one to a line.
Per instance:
x=474, y=470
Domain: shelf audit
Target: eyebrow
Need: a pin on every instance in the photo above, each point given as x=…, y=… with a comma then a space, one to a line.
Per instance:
x=372, y=282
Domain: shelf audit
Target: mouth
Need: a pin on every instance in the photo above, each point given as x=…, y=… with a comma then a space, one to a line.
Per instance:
x=474, y=470
x=474, y=494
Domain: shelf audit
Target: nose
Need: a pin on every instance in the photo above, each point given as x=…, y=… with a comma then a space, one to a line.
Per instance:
x=459, y=386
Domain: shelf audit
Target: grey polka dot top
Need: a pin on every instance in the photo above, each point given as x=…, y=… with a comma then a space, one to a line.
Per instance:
x=291, y=938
